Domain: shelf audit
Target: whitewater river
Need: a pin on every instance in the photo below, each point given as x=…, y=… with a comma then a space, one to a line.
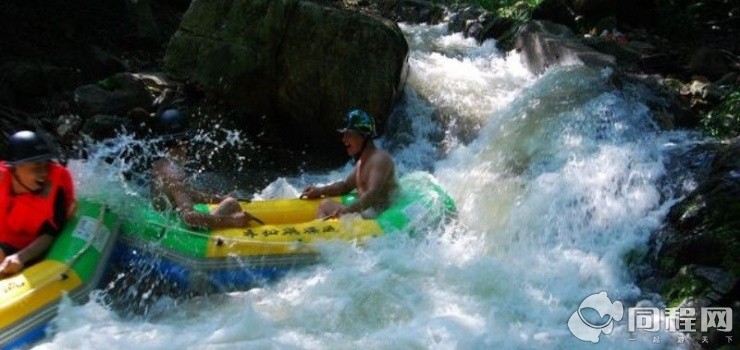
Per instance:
x=558, y=178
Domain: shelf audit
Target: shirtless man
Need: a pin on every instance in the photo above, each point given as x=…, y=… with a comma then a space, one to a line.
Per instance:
x=170, y=188
x=374, y=175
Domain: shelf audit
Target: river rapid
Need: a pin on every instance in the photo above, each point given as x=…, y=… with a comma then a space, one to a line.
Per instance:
x=559, y=180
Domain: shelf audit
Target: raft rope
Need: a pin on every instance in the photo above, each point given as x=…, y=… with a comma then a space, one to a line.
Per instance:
x=68, y=264
x=98, y=226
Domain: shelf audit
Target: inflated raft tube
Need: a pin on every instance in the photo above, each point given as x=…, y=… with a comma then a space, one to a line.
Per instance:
x=230, y=259
x=74, y=265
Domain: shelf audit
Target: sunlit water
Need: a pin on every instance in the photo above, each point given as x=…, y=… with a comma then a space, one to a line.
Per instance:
x=557, y=179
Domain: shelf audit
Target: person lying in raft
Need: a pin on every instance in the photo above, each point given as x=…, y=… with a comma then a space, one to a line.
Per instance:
x=170, y=187
x=374, y=175
x=37, y=199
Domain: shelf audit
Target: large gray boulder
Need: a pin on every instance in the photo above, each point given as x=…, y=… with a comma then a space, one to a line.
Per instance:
x=301, y=64
x=115, y=95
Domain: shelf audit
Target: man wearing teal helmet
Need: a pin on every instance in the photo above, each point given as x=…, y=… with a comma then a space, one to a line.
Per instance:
x=374, y=175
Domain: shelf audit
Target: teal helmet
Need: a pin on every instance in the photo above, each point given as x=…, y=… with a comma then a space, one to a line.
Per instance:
x=27, y=147
x=358, y=121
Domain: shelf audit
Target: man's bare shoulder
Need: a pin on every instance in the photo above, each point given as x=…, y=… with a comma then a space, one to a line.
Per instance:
x=381, y=156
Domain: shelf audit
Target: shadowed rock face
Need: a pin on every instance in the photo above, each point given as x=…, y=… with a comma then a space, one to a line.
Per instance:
x=300, y=63
x=543, y=44
x=706, y=224
x=698, y=254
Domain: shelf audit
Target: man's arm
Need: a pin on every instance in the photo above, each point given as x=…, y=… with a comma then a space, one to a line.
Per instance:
x=335, y=189
x=34, y=250
x=15, y=263
x=343, y=186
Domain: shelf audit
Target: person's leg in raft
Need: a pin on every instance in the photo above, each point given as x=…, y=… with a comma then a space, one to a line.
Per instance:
x=228, y=206
x=231, y=207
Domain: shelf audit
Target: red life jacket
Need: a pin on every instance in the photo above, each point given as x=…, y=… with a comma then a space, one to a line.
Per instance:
x=22, y=215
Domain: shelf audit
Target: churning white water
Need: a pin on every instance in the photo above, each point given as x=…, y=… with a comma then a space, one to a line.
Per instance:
x=558, y=179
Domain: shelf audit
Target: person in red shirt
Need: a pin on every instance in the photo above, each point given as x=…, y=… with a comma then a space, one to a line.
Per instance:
x=36, y=200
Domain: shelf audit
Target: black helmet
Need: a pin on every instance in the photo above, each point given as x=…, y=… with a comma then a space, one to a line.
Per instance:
x=360, y=122
x=26, y=147
x=172, y=125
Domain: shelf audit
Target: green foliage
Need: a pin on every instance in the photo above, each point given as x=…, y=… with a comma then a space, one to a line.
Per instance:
x=724, y=120
x=518, y=10
x=521, y=11
x=684, y=285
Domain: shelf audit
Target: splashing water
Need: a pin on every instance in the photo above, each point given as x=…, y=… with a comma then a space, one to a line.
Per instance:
x=557, y=179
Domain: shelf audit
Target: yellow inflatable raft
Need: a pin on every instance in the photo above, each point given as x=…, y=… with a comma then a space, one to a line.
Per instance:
x=232, y=259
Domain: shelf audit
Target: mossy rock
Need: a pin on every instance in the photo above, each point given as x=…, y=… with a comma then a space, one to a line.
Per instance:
x=700, y=287
x=706, y=227
x=724, y=119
